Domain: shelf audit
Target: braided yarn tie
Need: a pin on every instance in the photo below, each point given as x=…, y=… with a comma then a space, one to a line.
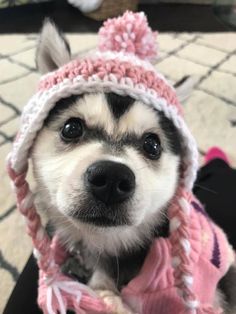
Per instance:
x=25, y=204
x=57, y=292
x=179, y=214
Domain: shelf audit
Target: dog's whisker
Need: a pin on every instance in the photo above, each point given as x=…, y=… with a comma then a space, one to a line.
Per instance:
x=204, y=188
x=97, y=260
x=117, y=270
x=142, y=168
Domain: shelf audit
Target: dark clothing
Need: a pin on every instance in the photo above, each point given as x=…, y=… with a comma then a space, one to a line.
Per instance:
x=216, y=189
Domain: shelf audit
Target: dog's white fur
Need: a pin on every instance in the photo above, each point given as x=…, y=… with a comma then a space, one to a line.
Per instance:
x=60, y=173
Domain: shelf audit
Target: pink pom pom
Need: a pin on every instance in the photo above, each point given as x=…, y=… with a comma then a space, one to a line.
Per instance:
x=129, y=33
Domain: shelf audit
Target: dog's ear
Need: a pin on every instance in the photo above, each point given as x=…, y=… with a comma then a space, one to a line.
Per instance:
x=53, y=50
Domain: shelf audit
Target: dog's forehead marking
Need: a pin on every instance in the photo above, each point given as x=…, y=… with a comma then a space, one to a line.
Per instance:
x=134, y=116
x=94, y=111
x=118, y=104
x=135, y=120
x=139, y=119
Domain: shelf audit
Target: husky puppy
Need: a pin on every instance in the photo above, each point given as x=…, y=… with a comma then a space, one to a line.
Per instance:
x=107, y=167
x=108, y=175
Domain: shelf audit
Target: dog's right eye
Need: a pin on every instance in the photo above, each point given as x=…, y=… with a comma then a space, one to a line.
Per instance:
x=72, y=130
x=152, y=145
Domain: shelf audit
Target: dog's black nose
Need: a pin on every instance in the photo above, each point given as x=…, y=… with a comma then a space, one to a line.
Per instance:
x=110, y=182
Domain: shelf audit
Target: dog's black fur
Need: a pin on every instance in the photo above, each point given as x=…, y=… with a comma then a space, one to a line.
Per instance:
x=228, y=287
x=61, y=105
x=119, y=104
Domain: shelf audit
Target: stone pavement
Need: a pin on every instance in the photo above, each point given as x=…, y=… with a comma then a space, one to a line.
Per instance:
x=210, y=112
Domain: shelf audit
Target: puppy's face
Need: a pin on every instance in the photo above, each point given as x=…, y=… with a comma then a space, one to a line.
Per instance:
x=108, y=166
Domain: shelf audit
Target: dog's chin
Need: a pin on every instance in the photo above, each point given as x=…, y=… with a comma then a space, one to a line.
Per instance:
x=97, y=214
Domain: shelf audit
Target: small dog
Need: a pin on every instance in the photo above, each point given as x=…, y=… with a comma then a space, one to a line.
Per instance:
x=107, y=167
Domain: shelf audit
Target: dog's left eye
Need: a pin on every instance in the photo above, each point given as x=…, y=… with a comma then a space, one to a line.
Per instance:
x=152, y=145
x=72, y=130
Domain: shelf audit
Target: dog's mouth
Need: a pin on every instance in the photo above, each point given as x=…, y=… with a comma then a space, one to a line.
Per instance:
x=100, y=221
x=99, y=215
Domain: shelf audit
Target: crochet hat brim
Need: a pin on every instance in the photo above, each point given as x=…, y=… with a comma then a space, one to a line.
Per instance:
x=42, y=102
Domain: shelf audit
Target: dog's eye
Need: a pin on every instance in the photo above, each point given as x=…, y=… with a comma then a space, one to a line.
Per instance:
x=152, y=146
x=72, y=130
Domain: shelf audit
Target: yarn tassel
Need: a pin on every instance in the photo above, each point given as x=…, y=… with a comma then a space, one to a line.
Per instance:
x=58, y=294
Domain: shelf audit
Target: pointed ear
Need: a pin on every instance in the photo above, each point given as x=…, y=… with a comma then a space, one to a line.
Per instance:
x=53, y=50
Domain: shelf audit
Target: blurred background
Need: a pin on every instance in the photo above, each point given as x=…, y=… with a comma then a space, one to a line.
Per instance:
x=196, y=38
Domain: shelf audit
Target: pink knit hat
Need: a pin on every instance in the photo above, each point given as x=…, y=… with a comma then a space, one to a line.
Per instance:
x=122, y=65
